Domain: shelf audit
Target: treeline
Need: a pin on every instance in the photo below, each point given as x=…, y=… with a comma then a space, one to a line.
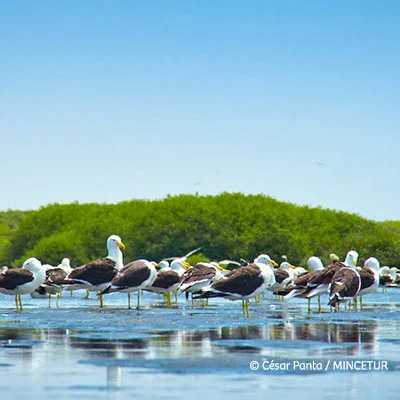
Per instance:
x=229, y=225
x=9, y=223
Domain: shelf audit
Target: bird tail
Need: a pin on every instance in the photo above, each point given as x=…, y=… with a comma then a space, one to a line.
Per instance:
x=333, y=300
x=108, y=289
x=68, y=282
x=206, y=294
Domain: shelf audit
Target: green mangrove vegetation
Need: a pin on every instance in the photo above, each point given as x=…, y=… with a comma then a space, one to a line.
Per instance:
x=229, y=225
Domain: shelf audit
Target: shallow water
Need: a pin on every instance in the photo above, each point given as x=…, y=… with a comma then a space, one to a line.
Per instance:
x=79, y=350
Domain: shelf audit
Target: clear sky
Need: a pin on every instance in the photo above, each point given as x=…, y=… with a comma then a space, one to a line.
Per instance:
x=104, y=101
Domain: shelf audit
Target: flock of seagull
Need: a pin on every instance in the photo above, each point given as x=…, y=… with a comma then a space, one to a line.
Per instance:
x=343, y=281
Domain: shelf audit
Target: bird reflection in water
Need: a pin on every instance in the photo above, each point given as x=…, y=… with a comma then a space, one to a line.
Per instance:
x=112, y=352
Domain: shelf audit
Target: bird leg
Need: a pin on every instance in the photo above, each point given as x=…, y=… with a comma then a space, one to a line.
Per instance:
x=309, y=304
x=319, y=304
x=20, y=303
x=168, y=299
x=247, y=308
x=138, y=300
x=101, y=300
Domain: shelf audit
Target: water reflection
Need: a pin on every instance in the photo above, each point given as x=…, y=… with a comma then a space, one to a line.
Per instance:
x=109, y=352
x=193, y=342
x=114, y=377
x=357, y=339
x=108, y=348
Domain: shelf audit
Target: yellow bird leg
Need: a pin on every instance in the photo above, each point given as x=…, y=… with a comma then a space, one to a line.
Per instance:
x=361, y=303
x=244, y=308
x=168, y=299
x=101, y=300
x=319, y=304
x=20, y=303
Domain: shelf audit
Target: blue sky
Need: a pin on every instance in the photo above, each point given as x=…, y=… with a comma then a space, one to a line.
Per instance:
x=104, y=101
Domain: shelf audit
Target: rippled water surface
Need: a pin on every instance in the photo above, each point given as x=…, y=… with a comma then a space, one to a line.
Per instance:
x=81, y=351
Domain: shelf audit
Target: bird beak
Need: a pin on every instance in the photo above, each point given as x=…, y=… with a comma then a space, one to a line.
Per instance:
x=157, y=266
x=186, y=265
x=121, y=246
x=293, y=266
x=354, y=262
x=274, y=263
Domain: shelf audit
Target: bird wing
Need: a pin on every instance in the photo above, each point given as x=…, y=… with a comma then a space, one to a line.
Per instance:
x=132, y=275
x=96, y=272
x=244, y=281
x=14, y=277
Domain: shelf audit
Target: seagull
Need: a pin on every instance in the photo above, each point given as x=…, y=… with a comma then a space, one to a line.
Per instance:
x=244, y=282
x=55, y=275
x=97, y=275
x=199, y=276
x=19, y=281
x=283, y=276
x=317, y=282
x=345, y=285
x=369, y=275
x=394, y=273
x=168, y=278
x=384, y=278
x=135, y=276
